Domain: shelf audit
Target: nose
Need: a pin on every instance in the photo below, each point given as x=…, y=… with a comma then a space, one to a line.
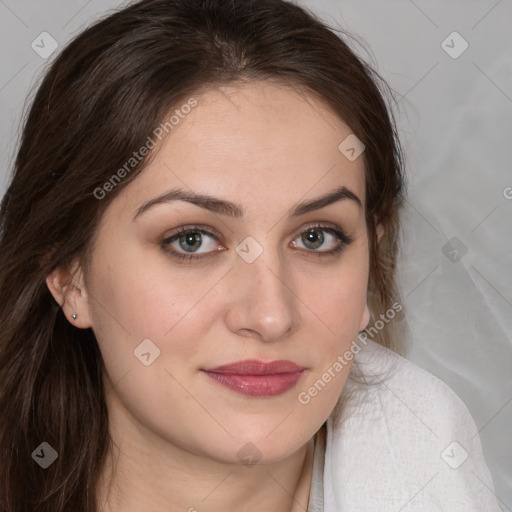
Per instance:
x=263, y=304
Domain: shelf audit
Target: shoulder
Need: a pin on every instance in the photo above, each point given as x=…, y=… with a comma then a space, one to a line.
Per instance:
x=406, y=390
x=403, y=430
x=383, y=381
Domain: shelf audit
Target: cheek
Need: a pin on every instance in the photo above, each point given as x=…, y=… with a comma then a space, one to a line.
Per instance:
x=337, y=305
x=141, y=302
x=337, y=296
x=153, y=300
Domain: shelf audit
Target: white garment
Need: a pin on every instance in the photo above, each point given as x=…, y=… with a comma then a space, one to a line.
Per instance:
x=392, y=450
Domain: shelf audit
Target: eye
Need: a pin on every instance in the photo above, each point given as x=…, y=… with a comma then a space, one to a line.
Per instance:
x=196, y=242
x=322, y=240
x=189, y=240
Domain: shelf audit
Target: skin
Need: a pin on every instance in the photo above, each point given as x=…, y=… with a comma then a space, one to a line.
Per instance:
x=177, y=432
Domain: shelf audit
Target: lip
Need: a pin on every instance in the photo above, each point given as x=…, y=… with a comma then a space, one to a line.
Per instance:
x=256, y=367
x=257, y=378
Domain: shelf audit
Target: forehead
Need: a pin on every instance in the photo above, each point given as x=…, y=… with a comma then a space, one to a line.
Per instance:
x=254, y=143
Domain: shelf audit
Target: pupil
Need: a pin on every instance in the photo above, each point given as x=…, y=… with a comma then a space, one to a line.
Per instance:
x=312, y=237
x=192, y=241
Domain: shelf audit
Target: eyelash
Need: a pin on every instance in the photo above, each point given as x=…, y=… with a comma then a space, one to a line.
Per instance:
x=336, y=231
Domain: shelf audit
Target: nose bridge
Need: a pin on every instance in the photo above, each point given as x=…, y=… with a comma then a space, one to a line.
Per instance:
x=265, y=301
x=266, y=277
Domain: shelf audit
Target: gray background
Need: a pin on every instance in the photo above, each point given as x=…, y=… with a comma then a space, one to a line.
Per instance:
x=455, y=121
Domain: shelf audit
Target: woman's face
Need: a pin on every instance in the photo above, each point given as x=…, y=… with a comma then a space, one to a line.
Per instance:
x=257, y=285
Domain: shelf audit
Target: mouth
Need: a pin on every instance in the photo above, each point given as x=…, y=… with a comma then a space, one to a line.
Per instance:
x=257, y=378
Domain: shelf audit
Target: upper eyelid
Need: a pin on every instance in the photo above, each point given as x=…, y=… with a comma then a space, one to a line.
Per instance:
x=185, y=229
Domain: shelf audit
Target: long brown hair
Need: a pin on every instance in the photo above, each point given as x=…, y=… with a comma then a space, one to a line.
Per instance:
x=105, y=93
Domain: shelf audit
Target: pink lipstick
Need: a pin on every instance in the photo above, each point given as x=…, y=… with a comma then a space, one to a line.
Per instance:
x=257, y=378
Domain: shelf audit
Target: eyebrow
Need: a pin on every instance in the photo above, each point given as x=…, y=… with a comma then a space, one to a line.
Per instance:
x=221, y=206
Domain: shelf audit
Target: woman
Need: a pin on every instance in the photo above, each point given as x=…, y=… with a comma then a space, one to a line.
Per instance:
x=203, y=218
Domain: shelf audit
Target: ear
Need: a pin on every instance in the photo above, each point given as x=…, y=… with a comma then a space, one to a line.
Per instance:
x=365, y=319
x=66, y=286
